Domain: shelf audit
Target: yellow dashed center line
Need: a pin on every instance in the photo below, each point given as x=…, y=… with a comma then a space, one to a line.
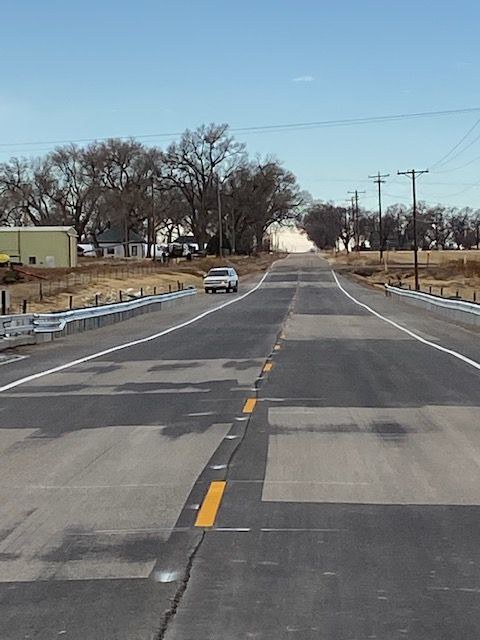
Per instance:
x=249, y=405
x=210, y=505
x=267, y=367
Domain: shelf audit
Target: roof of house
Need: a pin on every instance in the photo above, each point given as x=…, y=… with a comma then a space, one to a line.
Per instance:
x=186, y=240
x=117, y=235
x=65, y=229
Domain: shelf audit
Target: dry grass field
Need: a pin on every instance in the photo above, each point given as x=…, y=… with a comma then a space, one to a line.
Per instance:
x=445, y=273
x=102, y=280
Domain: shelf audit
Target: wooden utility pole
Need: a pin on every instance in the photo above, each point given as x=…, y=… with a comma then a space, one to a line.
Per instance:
x=412, y=174
x=220, y=226
x=356, y=229
x=152, y=234
x=378, y=181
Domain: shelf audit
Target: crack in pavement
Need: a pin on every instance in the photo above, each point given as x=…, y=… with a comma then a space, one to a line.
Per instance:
x=182, y=587
x=180, y=592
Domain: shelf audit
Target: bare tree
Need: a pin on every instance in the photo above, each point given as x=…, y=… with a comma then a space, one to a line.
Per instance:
x=128, y=169
x=459, y=225
x=28, y=185
x=277, y=198
x=194, y=165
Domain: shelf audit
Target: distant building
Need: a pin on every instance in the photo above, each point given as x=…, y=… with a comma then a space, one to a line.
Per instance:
x=191, y=241
x=40, y=246
x=183, y=246
x=112, y=243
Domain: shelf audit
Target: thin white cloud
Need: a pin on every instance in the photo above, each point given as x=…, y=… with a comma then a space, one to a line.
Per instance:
x=303, y=79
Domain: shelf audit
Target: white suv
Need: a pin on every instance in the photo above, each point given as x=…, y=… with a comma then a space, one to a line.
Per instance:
x=221, y=278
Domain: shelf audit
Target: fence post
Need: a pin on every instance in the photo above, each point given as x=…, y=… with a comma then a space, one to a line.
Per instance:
x=3, y=294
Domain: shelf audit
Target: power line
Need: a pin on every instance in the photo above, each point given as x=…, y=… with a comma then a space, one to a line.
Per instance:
x=462, y=166
x=459, y=153
x=449, y=153
x=459, y=193
x=267, y=128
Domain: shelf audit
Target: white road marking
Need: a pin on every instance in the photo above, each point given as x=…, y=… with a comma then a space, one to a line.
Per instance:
x=122, y=532
x=438, y=347
x=299, y=530
x=201, y=413
x=9, y=359
x=126, y=345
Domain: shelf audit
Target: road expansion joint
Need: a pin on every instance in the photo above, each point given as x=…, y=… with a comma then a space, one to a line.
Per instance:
x=221, y=471
x=179, y=593
x=259, y=382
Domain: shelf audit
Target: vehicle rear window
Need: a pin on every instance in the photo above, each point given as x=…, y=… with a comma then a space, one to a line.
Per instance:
x=218, y=272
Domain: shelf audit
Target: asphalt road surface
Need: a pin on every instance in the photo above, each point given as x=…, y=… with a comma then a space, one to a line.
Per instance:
x=350, y=451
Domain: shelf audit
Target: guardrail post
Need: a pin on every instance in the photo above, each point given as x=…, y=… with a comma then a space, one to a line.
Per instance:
x=24, y=306
x=474, y=296
x=154, y=291
x=141, y=292
x=178, y=285
x=430, y=289
x=441, y=291
x=40, y=291
x=120, y=295
x=71, y=302
x=96, y=299
x=169, y=288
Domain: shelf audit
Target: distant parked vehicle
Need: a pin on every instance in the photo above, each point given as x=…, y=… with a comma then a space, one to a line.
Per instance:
x=219, y=278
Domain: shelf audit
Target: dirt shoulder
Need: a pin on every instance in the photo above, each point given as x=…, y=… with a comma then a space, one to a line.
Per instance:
x=105, y=281
x=447, y=273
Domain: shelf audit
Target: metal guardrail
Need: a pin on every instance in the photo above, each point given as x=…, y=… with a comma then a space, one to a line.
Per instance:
x=14, y=325
x=450, y=304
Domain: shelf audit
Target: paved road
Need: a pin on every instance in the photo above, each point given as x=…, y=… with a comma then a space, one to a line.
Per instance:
x=351, y=508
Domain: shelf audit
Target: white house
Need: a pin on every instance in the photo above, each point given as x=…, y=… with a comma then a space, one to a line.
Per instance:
x=112, y=243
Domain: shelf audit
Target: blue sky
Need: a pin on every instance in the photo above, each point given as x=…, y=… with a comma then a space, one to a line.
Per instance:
x=89, y=69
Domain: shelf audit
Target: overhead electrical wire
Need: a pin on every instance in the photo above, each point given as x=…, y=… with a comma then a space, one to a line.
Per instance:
x=448, y=156
x=266, y=128
x=462, y=166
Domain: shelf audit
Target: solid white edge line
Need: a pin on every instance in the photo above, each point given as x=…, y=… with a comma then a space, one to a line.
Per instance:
x=126, y=345
x=438, y=347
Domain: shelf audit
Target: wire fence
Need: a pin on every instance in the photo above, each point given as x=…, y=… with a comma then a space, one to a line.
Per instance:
x=77, y=286
x=448, y=292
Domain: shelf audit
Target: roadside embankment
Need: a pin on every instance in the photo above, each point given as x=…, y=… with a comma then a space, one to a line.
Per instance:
x=445, y=273
x=103, y=281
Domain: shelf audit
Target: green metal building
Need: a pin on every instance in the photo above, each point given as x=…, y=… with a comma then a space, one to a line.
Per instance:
x=40, y=246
